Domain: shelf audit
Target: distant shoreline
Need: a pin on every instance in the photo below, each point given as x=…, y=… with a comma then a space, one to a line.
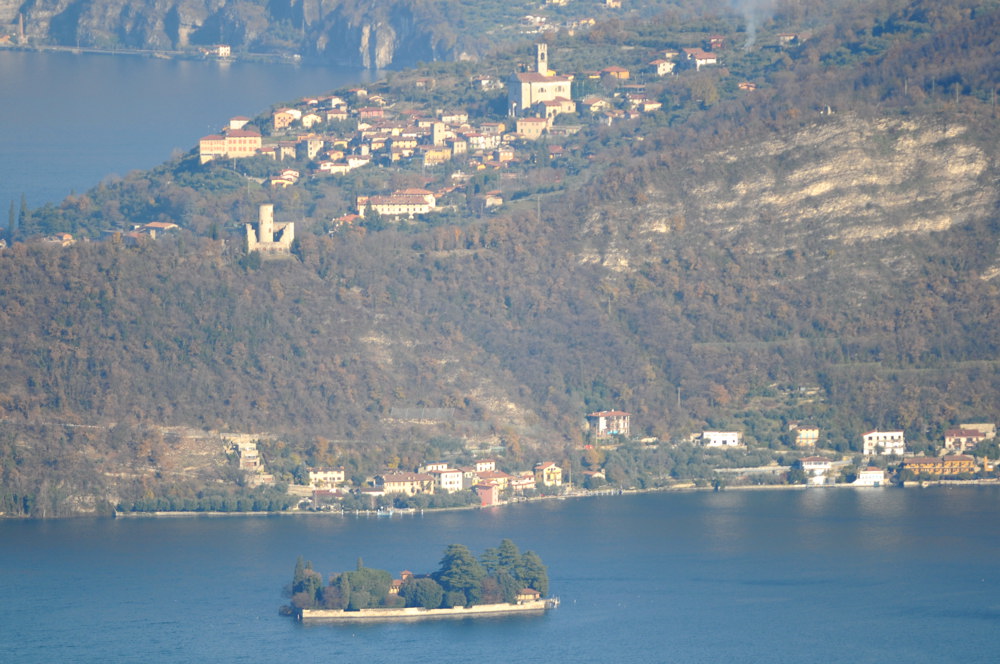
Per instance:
x=594, y=494
x=156, y=54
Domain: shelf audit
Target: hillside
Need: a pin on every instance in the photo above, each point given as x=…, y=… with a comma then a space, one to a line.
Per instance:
x=833, y=235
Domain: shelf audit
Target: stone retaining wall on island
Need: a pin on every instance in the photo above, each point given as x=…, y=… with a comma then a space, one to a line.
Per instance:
x=417, y=613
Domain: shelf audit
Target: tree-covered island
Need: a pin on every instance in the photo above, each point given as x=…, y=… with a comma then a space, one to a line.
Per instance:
x=501, y=575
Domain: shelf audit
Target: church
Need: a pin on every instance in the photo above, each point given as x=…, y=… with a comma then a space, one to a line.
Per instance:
x=526, y=89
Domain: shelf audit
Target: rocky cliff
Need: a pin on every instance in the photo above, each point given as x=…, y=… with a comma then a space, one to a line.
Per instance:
x=846, y=187
x=368, y=34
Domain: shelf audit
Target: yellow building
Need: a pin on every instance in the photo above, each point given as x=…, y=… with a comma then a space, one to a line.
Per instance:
x=231, y=144
x=548, y=473
x=408, y=483
x=946, y=466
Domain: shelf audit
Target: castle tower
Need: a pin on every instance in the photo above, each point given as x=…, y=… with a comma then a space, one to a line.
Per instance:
x=266, y=227
x=542, y=59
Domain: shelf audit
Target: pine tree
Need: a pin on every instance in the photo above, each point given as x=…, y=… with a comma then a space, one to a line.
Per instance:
x=533, y=574
x=461, y=572
x=23, y=217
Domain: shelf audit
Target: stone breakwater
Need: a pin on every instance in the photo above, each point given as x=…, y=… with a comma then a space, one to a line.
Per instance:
x=417, y=613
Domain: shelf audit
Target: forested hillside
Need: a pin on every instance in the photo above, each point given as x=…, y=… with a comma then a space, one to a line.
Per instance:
x=824, y=248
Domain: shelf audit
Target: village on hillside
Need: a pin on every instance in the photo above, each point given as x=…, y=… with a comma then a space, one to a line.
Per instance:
x=359, y=128
x=884, y=460
x=468, y=146
x=335, y=135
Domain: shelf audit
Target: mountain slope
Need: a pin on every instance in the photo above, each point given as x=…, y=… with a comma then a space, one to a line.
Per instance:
x=823, y=249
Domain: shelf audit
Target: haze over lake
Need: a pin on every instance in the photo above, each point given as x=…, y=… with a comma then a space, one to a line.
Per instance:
x=68, y=121
x=816, y=575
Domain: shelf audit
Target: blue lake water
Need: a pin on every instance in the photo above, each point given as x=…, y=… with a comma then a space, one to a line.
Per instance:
x=782, y=576
x=68, y=121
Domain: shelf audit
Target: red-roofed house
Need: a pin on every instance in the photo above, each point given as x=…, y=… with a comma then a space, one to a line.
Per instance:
x=489, y=494
x=700, y=58
x=548, y=473
x=661, y=67
x=406, y=202
x=616, y=72
x=947, y=466
x=960, y=440
x=408, y=483
x=232, y=144
x=532, y=128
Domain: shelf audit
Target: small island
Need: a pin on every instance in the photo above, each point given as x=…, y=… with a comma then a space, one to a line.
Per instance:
x=502, y=580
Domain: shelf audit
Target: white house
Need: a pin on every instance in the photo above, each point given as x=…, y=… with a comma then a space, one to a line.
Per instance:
x=606, y=423
x=326, y=477
x=816, y=469
x=721, y=438
x=700, y=58
x=485, y=465
x=661, y=67
x=448, y=480
x=883, y=442
x=870, y=476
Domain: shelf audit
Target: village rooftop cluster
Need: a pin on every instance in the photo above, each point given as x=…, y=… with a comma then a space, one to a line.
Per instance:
x=885, y=459
x=331, y=484
x=340, y=133
x=951, y=461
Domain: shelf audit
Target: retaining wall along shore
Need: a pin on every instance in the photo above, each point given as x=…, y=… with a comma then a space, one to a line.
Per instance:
x=418, y=613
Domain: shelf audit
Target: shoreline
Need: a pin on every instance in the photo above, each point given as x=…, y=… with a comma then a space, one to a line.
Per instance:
x=166, y=54
x=925, y=484
x=572, y=496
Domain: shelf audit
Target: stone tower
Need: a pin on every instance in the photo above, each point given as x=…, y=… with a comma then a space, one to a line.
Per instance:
x=270, y=239
x=542, y=59
x=265, y=233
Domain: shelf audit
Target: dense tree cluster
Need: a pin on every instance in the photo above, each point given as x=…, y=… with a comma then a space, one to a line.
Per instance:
x=498, y=576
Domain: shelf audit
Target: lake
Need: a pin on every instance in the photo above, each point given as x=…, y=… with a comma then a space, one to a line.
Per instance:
x=70, y=120
x=820, y=575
